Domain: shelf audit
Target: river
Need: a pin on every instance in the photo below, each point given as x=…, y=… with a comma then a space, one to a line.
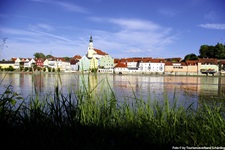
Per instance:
x=185, y=89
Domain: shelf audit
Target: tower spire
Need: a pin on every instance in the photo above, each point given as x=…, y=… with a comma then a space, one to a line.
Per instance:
x=91, y=40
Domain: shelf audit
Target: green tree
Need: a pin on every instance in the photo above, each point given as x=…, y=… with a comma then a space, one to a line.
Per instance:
x=207, y=51
x=203, y=51
x=220, y=51
x=39, y=55
x=67, y=58
x=49, y=56
x=191, y=56
x=217, y=51
x=211, y=52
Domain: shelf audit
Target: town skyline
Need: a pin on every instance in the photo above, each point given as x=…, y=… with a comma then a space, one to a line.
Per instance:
x=158, y=29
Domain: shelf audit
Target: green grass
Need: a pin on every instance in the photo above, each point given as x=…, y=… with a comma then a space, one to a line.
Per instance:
x=83, y=119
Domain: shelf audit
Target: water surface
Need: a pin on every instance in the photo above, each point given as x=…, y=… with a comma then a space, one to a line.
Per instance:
x=185, y=89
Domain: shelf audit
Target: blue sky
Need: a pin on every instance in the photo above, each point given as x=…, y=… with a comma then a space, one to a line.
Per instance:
x=121, y=28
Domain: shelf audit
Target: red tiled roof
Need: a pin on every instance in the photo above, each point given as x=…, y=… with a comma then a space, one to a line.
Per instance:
x=121, y=65
x=99, y=52
x=116, y=60
x=13, y=59
x=222, y=62
x=208, y=60
x=192, y=62
x=132, y=59
x=168, y=63
x=73, y=61
x=183, y=64
x=77, y=57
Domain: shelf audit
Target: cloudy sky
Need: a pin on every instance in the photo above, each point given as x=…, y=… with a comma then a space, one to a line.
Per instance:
x=121, y=28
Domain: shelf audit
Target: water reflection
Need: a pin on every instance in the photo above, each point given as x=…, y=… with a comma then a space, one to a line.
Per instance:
x=184, y=88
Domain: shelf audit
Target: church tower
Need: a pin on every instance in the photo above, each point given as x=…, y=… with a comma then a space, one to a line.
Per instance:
x=91, y=51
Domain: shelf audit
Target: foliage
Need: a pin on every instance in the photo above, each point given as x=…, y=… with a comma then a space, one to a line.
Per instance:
x=10, y=68
x=67, y=58
x=39, y=55
x=26, y=69
x=94, y=70
x=49, y=56
x=191, y=56
x=217, y=51
x=49, y=69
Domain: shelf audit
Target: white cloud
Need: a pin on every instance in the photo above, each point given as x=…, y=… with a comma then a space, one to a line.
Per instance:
x=134, y=51
x=213, y=26
x=72, y=7
x=41, y=26
x=133, y=36
x=135, y=24
x=65, y=5
x=14, y=31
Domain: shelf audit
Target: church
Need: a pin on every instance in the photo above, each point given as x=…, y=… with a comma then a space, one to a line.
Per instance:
x=96, y=60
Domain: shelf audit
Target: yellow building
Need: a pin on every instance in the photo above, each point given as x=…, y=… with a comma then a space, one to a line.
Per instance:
x=6, y=64
x=93, y=63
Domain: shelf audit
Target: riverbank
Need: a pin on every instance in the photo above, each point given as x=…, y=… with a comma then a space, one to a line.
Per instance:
x=97, y=73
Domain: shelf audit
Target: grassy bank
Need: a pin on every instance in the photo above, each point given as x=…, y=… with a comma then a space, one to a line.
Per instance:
x=84, y=119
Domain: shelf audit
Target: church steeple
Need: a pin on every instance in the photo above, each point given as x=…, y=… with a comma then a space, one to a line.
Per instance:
x=91, y=39
x=90, y=48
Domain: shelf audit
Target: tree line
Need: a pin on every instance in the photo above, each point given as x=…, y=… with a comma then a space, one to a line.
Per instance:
x=41, y=55
x=208, y=51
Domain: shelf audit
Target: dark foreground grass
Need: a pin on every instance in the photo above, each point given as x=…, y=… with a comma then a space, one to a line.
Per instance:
x=83, y=119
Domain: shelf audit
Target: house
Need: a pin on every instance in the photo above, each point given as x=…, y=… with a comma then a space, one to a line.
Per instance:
x=192, y=67
x=93, y=63
x=46, y=63
x=152, y=65
x=84, y=64
x=40, y=62
x=175, y=68
x=29, y=62
x=133, y=63
x=6, y=64
x=17, y=63
x=142, y=65
x=208, y=65
x=74, y=64
x=106, y=64
x=121, y=67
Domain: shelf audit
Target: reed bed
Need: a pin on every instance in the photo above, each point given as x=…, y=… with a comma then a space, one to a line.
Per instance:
x=92, y=118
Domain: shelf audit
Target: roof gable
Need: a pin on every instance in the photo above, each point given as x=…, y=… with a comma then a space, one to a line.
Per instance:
x=121, y=65
x=99, y=52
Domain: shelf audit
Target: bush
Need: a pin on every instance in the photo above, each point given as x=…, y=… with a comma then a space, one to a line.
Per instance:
x=10, y=68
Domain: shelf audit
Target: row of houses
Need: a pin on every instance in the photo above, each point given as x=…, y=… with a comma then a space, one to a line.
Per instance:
x=97, y=60
x=137, y=65
x=169, y=66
